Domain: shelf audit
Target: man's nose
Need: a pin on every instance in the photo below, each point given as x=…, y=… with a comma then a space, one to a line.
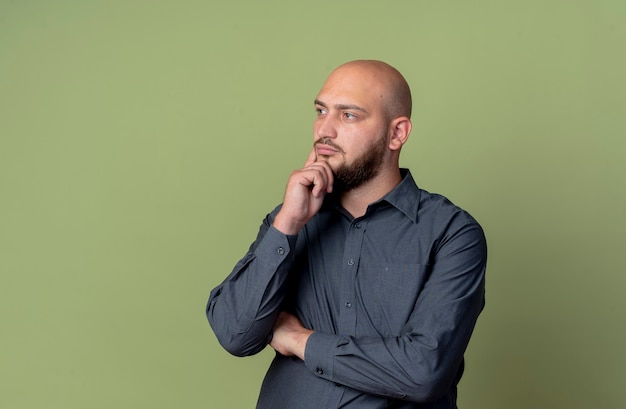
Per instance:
x=326, y=127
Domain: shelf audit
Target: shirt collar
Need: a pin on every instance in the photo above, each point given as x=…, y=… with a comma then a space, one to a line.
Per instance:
x=406, y=196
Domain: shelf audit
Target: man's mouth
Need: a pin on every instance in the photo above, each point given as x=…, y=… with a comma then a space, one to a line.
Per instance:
x=324, y=150
x=326, y=147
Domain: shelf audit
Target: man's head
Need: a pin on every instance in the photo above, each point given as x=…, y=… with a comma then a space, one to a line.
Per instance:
x=363, y=120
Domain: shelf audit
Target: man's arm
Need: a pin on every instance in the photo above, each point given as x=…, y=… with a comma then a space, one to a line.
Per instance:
x=421, y=363
x=242, y=310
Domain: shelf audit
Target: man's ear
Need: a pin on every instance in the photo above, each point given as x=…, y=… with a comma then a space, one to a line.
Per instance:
x=400, y=129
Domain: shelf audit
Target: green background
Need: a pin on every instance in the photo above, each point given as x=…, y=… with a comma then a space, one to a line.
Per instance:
x=142, y=142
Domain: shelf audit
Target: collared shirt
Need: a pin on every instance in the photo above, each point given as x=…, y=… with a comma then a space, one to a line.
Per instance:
x=393, y=297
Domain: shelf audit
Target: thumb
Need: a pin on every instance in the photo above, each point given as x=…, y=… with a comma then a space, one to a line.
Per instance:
x=312, y=158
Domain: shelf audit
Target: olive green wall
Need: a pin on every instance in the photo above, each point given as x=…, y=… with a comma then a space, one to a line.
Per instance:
x=142, y=142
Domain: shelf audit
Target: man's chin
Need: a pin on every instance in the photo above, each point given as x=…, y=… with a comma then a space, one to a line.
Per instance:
x=331, y=160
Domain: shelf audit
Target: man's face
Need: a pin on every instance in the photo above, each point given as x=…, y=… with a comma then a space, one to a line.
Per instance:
x=351, y=128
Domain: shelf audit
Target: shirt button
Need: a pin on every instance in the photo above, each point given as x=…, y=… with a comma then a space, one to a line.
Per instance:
x=280, y=251
x=320, y=371
x=357, y=226
x=351, y=262
x=348, y=304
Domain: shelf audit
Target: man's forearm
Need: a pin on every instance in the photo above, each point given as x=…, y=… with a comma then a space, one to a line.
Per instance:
x=242, y=310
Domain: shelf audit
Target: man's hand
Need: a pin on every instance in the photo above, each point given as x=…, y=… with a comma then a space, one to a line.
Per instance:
x=290, y=336
x=304, y=194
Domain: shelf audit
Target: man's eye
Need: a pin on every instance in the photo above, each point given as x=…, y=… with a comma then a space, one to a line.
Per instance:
x=349, y=115
x=320, y=111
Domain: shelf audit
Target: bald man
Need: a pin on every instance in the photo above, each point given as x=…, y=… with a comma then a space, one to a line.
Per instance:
x=367, y=287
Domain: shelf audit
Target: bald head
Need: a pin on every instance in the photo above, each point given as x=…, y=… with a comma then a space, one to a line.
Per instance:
x=382, y=80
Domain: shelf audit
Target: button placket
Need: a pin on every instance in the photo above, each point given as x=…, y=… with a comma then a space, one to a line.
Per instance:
x=352, y=249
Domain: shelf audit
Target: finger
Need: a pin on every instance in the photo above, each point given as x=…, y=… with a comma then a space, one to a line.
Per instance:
x=319, y=184
x=324, y=177
x=312, y=158
x=329, y=177
x=320, y=178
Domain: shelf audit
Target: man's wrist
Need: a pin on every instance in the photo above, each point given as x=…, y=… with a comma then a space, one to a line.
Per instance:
x=300, y=343
x=284, y=226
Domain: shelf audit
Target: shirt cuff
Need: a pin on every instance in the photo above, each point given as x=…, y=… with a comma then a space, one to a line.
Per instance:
x=275, y=247
x=319, y=354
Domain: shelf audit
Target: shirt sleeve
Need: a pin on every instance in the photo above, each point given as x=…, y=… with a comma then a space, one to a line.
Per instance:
x=242, y=309
x=423, y=361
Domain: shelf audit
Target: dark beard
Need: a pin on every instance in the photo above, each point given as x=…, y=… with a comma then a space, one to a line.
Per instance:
x=348, y=177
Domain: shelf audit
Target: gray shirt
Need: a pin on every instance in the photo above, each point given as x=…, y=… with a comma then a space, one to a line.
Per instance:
x=392, y=296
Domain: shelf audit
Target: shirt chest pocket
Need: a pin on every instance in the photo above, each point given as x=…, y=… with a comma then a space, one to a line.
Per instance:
x=388, y=294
